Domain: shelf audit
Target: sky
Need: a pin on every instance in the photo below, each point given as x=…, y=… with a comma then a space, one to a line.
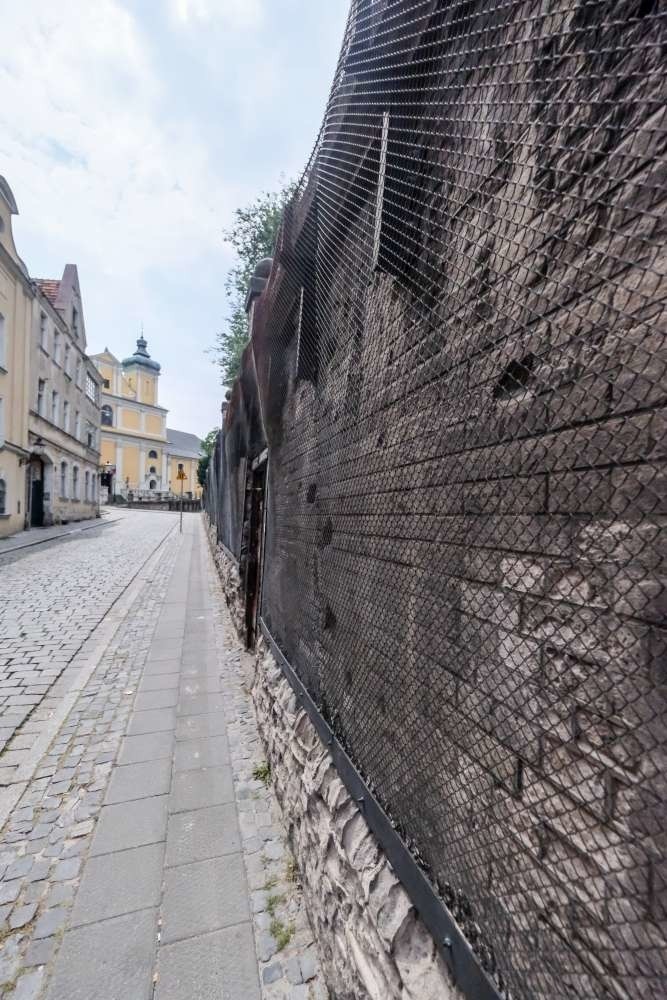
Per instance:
x=129, y=133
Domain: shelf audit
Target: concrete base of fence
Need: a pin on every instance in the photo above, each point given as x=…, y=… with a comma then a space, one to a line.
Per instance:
x=371, y=942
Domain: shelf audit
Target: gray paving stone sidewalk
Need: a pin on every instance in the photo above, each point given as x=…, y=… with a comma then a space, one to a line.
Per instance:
x=125, y=865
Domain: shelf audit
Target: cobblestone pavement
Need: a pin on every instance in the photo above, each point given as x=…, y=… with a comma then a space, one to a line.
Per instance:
x=122, y=869
x=52, y=597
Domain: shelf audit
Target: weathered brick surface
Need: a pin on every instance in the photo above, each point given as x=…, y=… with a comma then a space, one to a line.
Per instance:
x=465, y=555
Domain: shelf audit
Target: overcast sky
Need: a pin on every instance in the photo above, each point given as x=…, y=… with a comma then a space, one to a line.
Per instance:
x=129, y=132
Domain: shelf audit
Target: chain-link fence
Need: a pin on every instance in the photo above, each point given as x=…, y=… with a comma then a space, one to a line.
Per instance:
x=461, y=365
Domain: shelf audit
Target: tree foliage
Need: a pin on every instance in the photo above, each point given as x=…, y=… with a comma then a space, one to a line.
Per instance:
x=208, y=443
x=208, y=446
x=253, y=236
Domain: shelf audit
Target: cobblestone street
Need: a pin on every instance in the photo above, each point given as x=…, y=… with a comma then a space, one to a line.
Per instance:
x=137, y=842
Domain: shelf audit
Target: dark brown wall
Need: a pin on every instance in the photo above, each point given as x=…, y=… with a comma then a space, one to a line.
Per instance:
x=466, y=557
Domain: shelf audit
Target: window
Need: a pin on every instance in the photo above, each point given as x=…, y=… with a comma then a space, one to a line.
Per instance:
x=56, y=346
x=153, y=470
x=63, y=480
x=3, y=343
x=54, y=407
x=90, y=436
x=66, y=416
x=75, y=322
x=152, y=453
x=107, y=416
x=77, y=425
x=107, y=383
x=75, y=482
x=152, y=484
x=79, y=369
x=86, y=486
x=40, y=396
x=43, y=332
x=67, y=360
x=91, y=388
x=3, y=496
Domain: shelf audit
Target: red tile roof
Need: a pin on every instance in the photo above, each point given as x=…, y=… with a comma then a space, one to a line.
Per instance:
x=49, y=287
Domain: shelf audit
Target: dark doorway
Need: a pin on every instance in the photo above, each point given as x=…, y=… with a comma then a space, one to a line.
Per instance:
x=251, y=546
x=37, y=496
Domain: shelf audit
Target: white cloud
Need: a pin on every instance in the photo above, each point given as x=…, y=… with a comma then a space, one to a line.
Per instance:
x=88, y=147
x=236, y=14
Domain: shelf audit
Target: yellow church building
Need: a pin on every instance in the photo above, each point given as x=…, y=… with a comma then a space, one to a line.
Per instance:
x=140, y=455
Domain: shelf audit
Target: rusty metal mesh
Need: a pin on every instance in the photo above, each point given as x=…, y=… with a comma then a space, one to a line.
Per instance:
x=461, y=364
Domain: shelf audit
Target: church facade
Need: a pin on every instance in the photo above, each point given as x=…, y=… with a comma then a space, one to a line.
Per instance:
x=139, y=454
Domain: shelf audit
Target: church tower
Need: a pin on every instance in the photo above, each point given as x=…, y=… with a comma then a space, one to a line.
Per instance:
x=134, y=425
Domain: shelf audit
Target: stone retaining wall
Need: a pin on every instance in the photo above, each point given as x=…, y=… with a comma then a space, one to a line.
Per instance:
x=372, y=944
x=228, y=571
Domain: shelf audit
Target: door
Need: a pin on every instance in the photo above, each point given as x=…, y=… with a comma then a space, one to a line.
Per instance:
x=37, y=504
x=253, y=530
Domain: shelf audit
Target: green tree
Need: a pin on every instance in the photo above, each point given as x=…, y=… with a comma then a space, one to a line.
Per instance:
x=208, y=443
x=253, y=236
x=208, y=446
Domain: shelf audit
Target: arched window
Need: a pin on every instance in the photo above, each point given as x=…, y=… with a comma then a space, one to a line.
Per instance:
x=86, y=487
x=3, y=496
x=63, y=480
x=107, y=416
x=75, y=482
x=152, y=454
x=153, y=470
x=152, y=484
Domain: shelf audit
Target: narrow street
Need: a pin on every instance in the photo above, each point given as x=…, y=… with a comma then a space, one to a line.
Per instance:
x=122, y=874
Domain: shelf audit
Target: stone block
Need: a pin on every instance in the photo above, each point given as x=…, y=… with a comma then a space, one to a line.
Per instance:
x=123, y=949
x=203, y=897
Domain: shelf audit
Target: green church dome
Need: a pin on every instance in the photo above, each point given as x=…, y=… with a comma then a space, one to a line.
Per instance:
x=141, y=357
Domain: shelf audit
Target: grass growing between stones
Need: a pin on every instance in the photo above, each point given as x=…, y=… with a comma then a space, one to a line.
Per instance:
x=272, y=904
x=283, y=933
x=262, y=772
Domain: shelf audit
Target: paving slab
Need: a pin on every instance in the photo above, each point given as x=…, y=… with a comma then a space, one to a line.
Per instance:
x=148, y=746
x=200, y=704
x=120, y=828
x=192, y=755
x=202, y=834
x=167, y=665
x=204, y=896
x=194, y=685
x=200, y=727
x=160, y=682
x=119, y=883
x=156, y=721
x=139, y=781
x=210, y=786
x=147, y=700
x=110, y=960
x=196, y=968
x=166, y=650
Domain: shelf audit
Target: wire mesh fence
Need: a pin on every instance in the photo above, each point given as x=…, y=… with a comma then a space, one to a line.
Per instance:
x=460, y=374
